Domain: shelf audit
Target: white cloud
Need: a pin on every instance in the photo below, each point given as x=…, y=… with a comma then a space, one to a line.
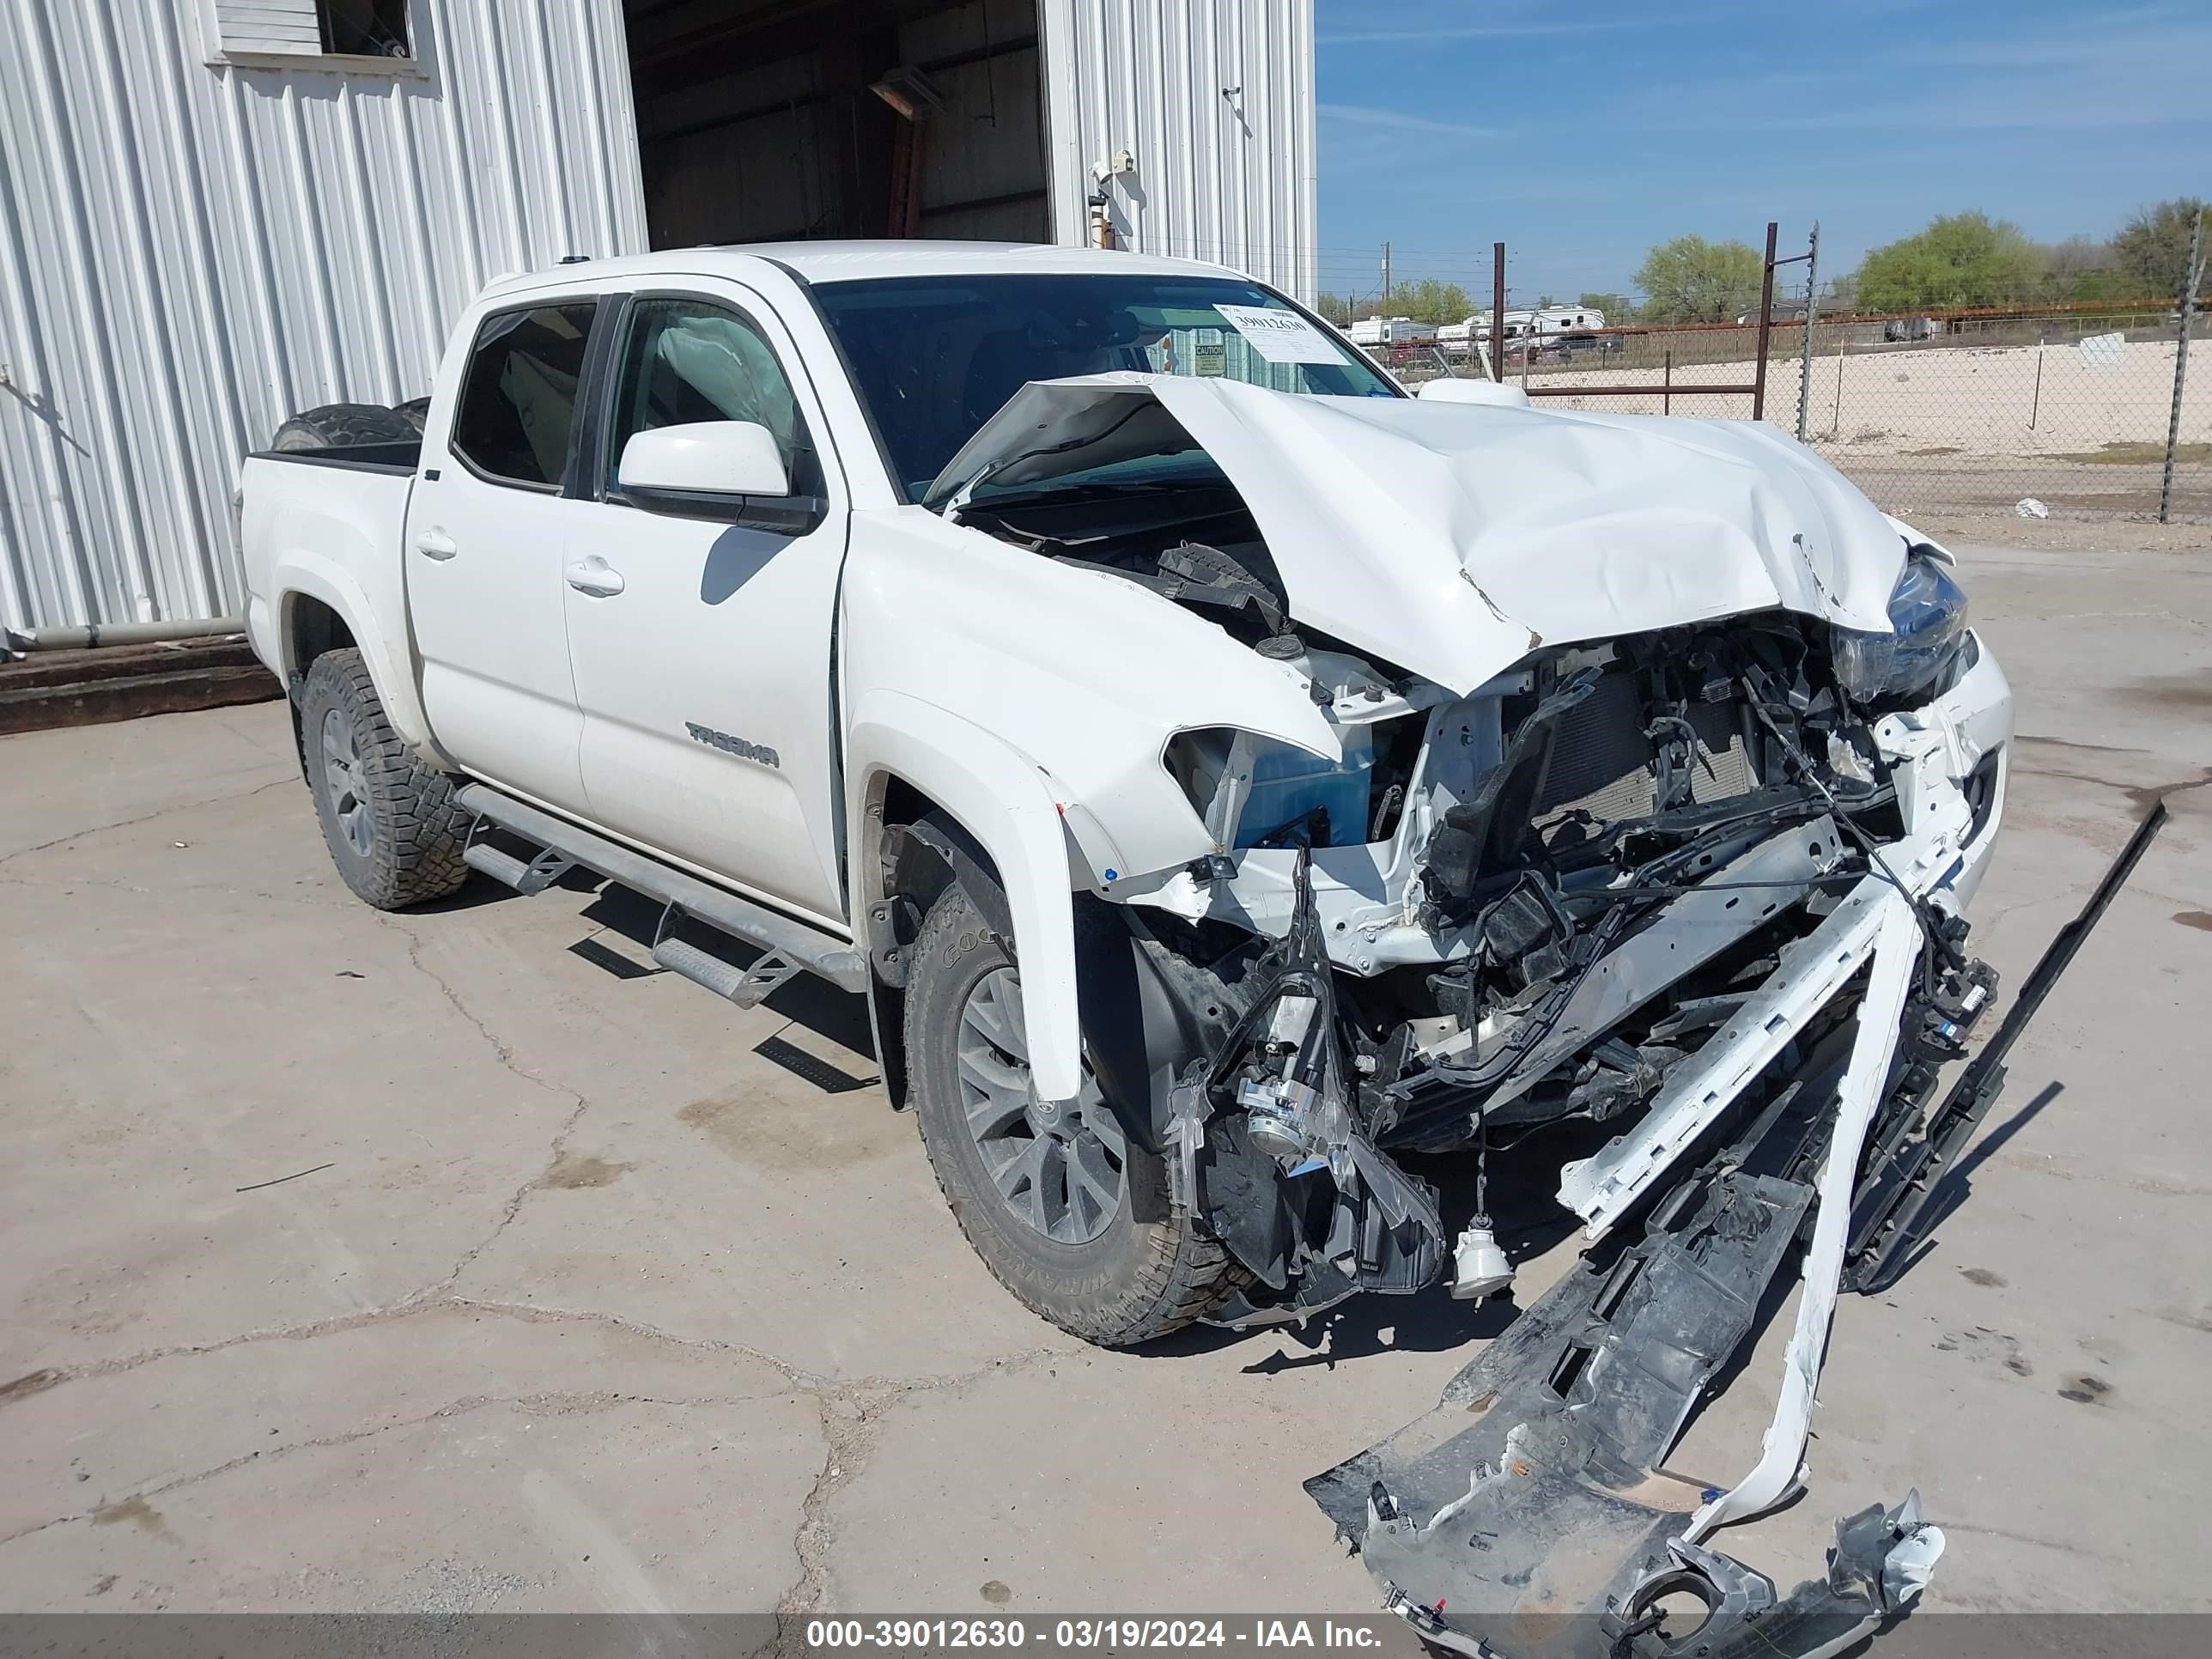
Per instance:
x=1361, y=115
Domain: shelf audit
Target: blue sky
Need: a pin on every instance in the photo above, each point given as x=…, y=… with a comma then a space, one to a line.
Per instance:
x=1582, y=133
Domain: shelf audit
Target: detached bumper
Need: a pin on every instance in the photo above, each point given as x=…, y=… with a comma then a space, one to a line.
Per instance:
x=1526, y=1514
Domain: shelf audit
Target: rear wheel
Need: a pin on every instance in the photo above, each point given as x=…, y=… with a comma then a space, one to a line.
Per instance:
x=392, y=826
x=1068, y=1210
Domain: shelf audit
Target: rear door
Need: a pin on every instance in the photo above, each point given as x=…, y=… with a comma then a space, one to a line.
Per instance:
x=485, y=550
x=701, y=649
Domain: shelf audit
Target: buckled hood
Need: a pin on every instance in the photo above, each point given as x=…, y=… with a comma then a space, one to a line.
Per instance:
x=1453, y=538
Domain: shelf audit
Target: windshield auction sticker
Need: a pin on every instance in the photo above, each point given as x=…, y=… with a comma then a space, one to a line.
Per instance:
x=1280, y=336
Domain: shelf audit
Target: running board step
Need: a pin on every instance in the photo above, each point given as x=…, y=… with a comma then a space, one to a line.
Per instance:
x=744, y=986
x=534, y=877
x=792, y=944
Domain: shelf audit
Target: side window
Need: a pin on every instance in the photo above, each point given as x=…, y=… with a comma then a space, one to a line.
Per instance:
x=518, y=397
x=690, y=360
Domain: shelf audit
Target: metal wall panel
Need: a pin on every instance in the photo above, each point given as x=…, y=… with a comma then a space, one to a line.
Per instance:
x=189, y=252
x=1215, y=100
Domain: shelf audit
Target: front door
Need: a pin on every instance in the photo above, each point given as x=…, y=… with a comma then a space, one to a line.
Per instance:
x=485, y=529
x=702, y=650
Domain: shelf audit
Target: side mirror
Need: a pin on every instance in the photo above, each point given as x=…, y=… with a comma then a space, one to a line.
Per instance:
x=1453, y=390
x=704, y=470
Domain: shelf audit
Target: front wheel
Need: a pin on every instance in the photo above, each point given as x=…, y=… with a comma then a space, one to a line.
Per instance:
x=394, y=830
x=1067, y=1210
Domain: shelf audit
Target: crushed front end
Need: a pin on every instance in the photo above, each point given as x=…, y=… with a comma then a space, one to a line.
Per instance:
x=1621, y=883
x=1704, y=885
x=1599, y=803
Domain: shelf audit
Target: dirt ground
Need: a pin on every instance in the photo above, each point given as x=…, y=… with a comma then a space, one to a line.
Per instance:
x=1952, y=430
x=457, y=1261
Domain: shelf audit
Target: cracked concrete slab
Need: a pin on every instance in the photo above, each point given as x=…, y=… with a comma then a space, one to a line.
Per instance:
x=556, y=1265
x=170, y=1044
x=113, y=1435
x=533, y=1505
x=78, y=780
x=1085, y=1479
x=724, y=1197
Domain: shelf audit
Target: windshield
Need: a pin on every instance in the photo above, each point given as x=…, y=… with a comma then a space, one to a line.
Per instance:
x=934, y=357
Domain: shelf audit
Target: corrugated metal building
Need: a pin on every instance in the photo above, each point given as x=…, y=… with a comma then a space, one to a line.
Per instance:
x=215, y=213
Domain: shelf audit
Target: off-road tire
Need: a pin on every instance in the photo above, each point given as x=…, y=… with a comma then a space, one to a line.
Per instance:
x=1141, y=1279
x=416, y=829
x=339, y=426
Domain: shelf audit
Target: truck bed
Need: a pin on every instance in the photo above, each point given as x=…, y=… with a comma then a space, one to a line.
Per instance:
x=329, y=525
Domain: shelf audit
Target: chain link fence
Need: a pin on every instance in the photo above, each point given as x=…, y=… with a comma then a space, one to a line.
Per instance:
x=2083, y=409
x=2062, y=412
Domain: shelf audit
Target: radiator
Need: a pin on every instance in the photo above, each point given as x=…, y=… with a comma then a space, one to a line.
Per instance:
x=1601, y=762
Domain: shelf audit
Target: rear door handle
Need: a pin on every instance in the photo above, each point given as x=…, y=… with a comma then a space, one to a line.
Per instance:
x=595, y=576
x=433, y=545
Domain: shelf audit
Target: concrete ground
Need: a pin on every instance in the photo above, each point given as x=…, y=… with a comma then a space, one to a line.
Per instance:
x=577, y=1303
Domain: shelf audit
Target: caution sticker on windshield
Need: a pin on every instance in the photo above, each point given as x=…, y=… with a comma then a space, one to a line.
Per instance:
x=1280, y=336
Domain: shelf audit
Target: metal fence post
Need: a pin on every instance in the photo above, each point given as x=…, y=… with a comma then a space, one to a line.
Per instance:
x=1765, y=327
x=1497, y=312
x=1835, y=419
x=1812, y=310
x=2181, y=362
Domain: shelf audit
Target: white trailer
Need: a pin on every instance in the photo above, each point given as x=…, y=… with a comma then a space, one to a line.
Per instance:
x=1392, y=331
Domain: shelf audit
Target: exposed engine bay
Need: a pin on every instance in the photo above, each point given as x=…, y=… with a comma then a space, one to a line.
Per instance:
x=1703, y=883
x=1543, y=901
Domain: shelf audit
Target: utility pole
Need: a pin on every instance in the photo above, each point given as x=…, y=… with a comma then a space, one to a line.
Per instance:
x=1812, y=310
x=2195, y=275
x=1386, y=279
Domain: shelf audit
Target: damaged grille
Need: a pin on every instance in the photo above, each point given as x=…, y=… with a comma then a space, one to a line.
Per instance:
x=1602, y=757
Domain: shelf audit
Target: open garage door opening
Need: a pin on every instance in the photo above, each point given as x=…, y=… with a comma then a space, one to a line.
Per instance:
x=778, y=120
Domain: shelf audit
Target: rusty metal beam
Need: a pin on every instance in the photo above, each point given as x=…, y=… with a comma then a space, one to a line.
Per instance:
x=1765, y=327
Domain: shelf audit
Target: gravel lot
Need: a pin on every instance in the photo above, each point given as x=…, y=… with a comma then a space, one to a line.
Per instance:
x=585, y=1305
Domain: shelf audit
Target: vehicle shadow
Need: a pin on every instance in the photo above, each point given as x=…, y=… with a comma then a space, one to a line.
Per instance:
x=1527, y=1218
x=1956, y=1186
x=805, y=1000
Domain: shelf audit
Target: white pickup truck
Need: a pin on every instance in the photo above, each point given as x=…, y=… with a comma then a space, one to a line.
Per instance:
x=1226, y=777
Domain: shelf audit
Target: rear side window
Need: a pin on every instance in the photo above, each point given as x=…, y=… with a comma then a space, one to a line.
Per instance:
x=518, y=400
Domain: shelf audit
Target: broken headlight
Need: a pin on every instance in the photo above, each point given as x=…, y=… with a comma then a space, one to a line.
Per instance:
x=1251, y=789
x=1927, y=620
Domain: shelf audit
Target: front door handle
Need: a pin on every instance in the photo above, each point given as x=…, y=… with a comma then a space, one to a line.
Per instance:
x=595, y=576
x=433, y=545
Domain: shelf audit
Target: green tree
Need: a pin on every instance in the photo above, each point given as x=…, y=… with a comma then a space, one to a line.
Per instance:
x=1960, y=260
x=1691, y=280
x=1429, y=300
x=2081, y=268
x=1619, y=308
x=2151, y=253
x=1334, y=307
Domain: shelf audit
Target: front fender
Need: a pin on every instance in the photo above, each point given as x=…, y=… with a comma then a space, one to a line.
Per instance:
x=1003, y=799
